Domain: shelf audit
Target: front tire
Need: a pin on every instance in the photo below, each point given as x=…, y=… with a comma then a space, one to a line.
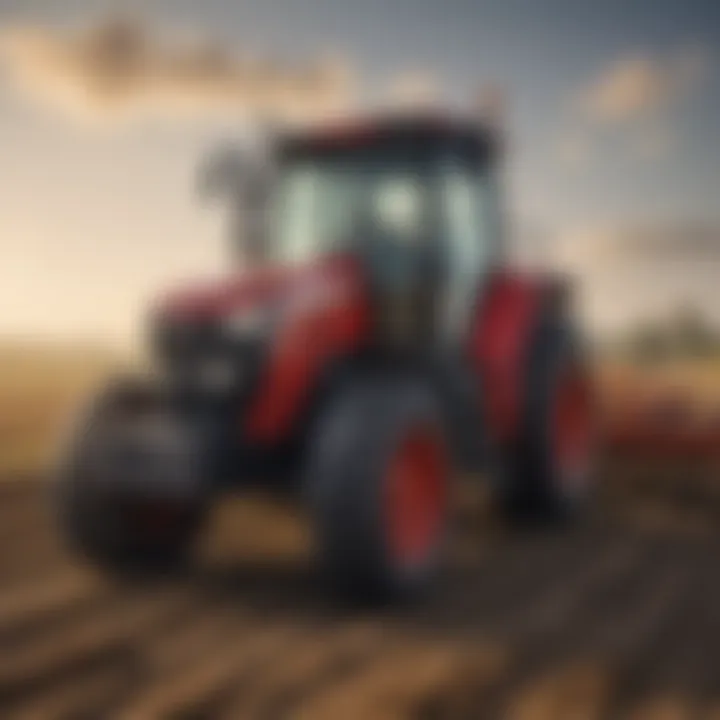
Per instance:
x=379, y=474
x=121, y=523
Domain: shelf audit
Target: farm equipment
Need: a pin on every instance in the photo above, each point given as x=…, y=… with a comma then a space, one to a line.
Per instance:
x=378, y=346
x=664, y=427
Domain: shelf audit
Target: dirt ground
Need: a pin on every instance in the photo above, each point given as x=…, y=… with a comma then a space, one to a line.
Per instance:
x=617, y=618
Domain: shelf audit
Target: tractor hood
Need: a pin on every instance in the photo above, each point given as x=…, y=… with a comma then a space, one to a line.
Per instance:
x=258, y=289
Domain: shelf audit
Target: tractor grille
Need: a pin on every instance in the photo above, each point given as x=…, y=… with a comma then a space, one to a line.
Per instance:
x=179, y=343
x=201, y=357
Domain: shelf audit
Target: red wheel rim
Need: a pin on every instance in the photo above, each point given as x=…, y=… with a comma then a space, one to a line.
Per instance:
x=573, y=429
x=416, y=490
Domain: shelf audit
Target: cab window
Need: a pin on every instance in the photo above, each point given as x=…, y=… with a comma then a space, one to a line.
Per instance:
x=467, y=198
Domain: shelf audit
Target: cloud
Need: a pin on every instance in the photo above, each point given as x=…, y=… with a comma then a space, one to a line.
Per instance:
x=413, y=88
x=625, y=273
x=653, y=245
x=120, y=67
x=636, y=86
x=626, y=109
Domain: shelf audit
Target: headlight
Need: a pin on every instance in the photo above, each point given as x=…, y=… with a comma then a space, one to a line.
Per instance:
x=218, y=374
x=247, y=324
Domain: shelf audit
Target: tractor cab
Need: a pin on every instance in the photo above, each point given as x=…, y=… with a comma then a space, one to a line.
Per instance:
x=416, y=202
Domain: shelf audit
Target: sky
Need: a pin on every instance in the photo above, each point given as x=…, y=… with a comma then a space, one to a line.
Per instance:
x=612, y=114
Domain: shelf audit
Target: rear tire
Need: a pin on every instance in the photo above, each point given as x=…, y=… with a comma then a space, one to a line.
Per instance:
x=378, y=477
x=549, y=473
x=119, y=527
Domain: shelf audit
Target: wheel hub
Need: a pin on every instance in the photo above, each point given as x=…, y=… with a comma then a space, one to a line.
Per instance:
x=416, y=497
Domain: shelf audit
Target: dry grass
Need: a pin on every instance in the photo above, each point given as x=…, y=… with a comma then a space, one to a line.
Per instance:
x=696, y=382
x=40, y=388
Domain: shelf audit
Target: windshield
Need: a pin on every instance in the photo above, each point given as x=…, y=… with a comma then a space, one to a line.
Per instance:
x=323, y=204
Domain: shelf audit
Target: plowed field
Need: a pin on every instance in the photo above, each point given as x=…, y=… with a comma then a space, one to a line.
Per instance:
x=617, y=618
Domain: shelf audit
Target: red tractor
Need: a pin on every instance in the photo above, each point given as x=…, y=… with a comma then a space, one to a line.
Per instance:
x=376, y=348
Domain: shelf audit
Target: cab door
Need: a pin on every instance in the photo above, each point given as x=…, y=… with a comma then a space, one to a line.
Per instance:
x=470, y=229
x=468, y=246
x=401, y=253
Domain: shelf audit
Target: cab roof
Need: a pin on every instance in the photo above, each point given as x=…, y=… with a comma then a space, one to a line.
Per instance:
x=427, y=132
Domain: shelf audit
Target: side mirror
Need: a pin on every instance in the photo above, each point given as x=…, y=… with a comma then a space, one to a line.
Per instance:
x=241, y=177
x=223, y=172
